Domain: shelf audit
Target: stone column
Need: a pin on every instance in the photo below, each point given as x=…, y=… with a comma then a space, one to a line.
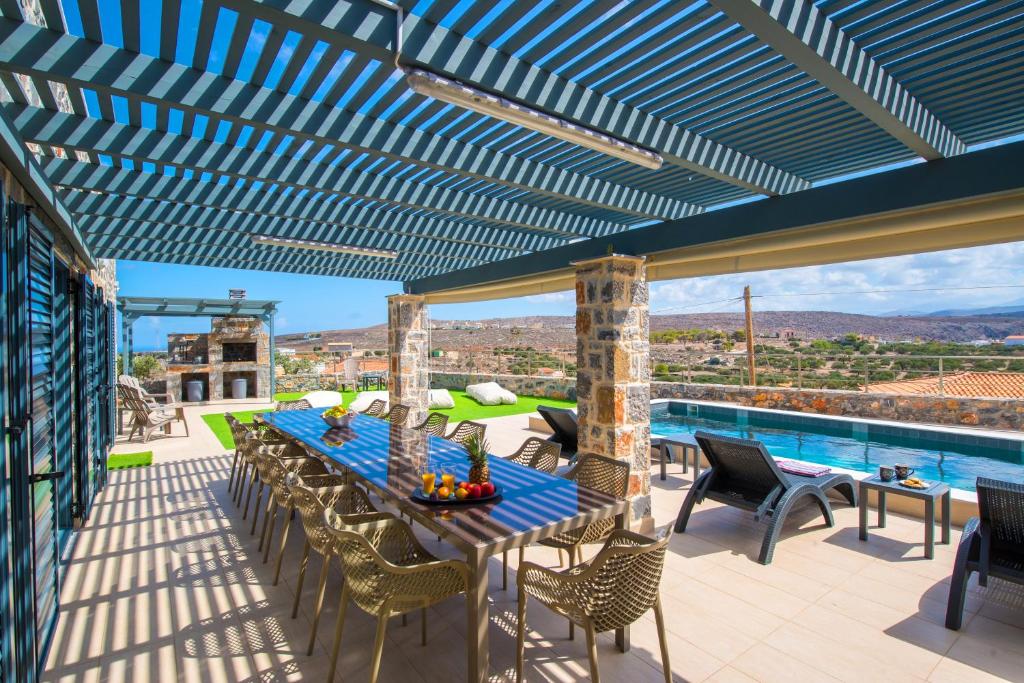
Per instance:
x=409, y=377
x=613, y=369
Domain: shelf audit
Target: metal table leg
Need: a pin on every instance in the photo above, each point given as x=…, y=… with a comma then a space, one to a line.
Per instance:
x=664, y=458
x=947, y=511
x=622, y=634
x=929, y=528
x=477, y=618
x=881, y=509
x=863, y=515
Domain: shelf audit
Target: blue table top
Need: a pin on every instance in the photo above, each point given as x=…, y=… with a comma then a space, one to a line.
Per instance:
x=390, y=459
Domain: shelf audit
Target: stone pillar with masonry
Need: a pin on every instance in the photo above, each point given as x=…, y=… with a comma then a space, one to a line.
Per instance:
x=409, y=376
x=613, y=382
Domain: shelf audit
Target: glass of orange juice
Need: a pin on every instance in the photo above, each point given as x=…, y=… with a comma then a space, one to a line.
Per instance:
x=448, y=478
x=429, y=477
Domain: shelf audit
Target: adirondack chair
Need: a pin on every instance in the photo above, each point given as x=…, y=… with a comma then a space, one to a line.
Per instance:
x=145, y=418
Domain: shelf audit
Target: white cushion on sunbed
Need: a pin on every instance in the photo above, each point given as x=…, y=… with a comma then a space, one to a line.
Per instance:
x=323, y=399
x=440, y=398
x=365, y=398
x=490, y=394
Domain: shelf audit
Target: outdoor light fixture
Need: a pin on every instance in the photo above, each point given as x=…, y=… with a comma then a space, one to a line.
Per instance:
x=461, y=95
x=324, y=246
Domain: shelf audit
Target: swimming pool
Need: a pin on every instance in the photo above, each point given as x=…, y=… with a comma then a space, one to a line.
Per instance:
x=953, y=456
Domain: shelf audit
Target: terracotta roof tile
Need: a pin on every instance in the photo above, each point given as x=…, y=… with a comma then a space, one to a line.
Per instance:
x=965, y=384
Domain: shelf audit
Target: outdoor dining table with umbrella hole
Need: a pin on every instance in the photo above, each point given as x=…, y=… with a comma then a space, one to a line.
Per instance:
x=534, y=505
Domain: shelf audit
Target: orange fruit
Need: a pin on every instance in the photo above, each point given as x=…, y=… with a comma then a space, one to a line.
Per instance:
x=443, y=492
x=461, y=493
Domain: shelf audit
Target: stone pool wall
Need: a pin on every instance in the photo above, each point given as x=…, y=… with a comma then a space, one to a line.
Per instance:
x=942, y=410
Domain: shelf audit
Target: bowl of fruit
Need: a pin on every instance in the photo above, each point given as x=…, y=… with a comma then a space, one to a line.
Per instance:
x=338, y=416
x=477, y=489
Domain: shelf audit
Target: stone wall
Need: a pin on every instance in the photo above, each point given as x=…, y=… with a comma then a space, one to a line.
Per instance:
x=963, y=412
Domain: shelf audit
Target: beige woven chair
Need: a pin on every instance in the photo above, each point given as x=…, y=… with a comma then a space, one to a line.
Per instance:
x=239, y=463
x=466, y=430
x=611, y=591
x=298, y=404
x=435, y=424
x=538, y=454
x=313, y=503
x=388, y=572
x=376, y=408
x=398, y=415
x=154, y=400
x=260, y=453
x=601, y=474
x=313, y=471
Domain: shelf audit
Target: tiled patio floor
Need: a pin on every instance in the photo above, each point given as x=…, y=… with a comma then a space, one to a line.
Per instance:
x=166, y=584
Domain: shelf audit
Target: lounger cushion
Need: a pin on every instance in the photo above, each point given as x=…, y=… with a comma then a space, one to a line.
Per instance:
x=323, y=399
x=440, y=398
x=365, y=398
x=490, y=394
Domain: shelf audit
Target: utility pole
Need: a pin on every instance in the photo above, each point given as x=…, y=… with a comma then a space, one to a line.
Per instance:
x=750, y=337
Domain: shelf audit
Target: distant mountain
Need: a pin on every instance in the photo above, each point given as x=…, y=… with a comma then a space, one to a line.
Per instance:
x=1014, y=307
x=559, y=331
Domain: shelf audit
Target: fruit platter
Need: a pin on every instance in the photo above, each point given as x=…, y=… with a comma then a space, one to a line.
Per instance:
x=338, y=416
x=477, y=489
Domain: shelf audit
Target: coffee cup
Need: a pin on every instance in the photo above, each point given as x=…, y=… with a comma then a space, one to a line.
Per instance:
x=886, y=473
x=903, y=471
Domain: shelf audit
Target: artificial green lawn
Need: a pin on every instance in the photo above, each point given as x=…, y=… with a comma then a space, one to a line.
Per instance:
x=120, y=461
x=465, y=409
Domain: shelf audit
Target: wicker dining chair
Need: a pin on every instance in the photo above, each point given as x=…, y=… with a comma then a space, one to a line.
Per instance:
x=261, y=453
x=398, y=415
x=601, y=474
x=611, y=591
x=465, y=431
x=238, y=432
x=346, y=501
x=376, y=408
x=387, y=572
x=538, y=454
x=298, y=404
x=313, y=472
x=435, y=424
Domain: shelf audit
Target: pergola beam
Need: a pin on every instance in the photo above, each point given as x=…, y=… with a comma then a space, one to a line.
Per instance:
x=805, y=36
x=81, y=63
x=443, y=51
x=118, y=193
x=73, y=132
x=104, y=232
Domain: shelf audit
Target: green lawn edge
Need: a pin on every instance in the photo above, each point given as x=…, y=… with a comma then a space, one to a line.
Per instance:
x=465, y=408
x=120, y=461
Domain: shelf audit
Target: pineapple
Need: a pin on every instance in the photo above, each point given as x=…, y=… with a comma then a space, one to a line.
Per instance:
x=476, y=453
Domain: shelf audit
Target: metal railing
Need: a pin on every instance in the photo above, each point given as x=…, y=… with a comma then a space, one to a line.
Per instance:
x=853, y=371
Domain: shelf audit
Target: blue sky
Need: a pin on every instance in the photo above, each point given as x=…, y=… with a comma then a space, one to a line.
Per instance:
x=316, y=303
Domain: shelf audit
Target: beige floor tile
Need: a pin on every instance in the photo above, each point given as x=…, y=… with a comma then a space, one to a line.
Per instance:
x=167, y=583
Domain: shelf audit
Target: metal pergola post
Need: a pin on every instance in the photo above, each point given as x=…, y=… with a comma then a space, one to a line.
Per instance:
x=273, y=360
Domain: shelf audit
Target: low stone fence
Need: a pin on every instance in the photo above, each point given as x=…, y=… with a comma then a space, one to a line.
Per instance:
x=963, y=412
x=944, y=410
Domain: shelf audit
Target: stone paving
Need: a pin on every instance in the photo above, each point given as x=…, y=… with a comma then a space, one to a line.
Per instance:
x=165, y=584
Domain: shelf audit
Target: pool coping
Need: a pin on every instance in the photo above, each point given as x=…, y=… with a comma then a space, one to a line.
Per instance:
x=958, y=494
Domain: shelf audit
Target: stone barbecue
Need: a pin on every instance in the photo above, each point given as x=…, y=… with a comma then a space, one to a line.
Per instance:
x=235, y=348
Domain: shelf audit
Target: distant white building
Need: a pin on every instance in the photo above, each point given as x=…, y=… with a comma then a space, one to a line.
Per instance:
x=340, y=349
x=285, y=351
x=1014, y=340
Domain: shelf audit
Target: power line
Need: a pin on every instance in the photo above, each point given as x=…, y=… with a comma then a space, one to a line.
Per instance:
x=889, y=291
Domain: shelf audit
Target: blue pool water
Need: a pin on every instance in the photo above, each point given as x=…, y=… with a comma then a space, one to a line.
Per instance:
x=953, y=457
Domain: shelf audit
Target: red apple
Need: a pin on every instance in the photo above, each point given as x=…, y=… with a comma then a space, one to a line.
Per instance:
x=463, y=485
x=486, y=489
x=474, y=490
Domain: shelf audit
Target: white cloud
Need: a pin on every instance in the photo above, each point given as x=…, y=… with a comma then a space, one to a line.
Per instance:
x=853, y=286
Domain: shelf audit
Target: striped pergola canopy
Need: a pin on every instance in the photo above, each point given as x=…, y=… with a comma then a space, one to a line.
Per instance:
x=179, y=132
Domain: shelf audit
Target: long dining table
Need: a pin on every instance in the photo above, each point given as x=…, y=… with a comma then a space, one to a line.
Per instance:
x=389, y=459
